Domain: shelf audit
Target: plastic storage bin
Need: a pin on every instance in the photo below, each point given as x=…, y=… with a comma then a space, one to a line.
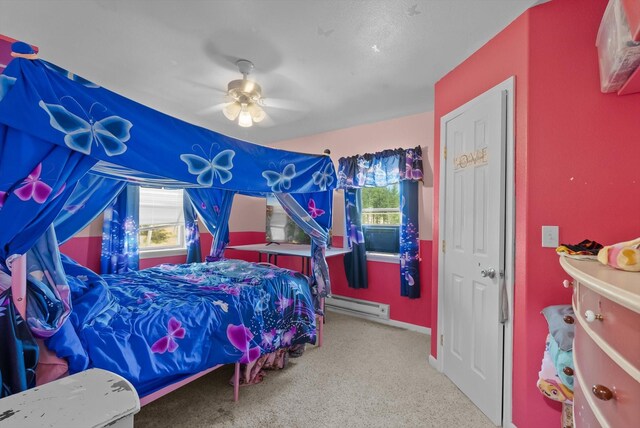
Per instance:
x=618, y=54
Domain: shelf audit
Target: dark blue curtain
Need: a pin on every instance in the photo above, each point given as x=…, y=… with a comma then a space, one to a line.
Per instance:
x=89, y=199
x=120, y=233
x=355, y=262
x=409, y=240
x=18, y=349
x=191, y=231
x=380, y=169
x=214, y=207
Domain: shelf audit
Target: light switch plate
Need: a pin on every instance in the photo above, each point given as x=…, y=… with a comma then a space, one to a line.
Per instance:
x=550, y=237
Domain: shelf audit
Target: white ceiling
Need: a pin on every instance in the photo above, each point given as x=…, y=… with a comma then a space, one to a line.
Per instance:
x=335, y=63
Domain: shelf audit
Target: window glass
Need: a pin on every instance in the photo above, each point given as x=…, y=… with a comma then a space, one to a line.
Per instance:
x=161, y=219
x=381, y=218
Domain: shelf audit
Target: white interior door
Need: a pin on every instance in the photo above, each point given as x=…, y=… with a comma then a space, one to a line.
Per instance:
x=474, y=228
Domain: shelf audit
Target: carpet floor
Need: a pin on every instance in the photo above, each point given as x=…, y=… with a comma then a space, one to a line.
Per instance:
x=365, y=375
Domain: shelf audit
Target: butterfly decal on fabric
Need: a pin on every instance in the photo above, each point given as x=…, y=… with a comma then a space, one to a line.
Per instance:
x=146, y=296
x=313, y=210
x=219, y=166
x=111, y=132
x=69, y=75
x=268, y=337
x=288, y=335
x=325, y=178
x=283, y=303
x=33, y=187
x=223, y=305
x=355, y=234
x=168, y=342
x=6, y=83
x=412, y=173
x=280, y=181
x=262, y=304
x=409, y=279
x=240, y=337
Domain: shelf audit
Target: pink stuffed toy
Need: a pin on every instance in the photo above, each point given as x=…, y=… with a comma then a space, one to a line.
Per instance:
x=624, y=255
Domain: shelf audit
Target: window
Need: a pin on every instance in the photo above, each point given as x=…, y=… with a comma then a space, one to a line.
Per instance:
x=161, y=219
x=381, y=218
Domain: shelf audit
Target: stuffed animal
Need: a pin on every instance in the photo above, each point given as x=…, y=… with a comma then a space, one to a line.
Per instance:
x=624, y=255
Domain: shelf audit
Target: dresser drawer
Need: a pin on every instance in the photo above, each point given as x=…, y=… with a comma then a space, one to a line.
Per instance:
x=583, y=416
x=594, y=367
x=619, y=326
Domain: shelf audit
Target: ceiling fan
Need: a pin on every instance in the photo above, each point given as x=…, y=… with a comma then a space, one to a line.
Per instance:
x=246, y=98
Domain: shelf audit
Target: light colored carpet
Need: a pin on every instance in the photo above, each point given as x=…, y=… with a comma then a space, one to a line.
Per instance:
x=365, y=375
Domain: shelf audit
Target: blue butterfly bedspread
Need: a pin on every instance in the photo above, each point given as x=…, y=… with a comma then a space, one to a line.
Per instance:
x=160, y=325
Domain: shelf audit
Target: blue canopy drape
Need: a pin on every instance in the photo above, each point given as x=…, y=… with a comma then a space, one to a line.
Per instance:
x=56, y=126
x=191, y=230
x=381, y=169
x=89, y=199
x=318, y=230
x=214, y=207
x=119, y=251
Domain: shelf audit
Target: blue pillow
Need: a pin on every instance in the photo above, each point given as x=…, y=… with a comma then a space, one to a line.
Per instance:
x=561, y=331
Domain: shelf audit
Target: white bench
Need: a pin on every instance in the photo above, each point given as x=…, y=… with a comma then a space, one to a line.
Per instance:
x=93, y=398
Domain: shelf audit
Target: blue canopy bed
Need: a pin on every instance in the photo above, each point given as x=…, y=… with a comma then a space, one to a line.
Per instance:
x=68, y=148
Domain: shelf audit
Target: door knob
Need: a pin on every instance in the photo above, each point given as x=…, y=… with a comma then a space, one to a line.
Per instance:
x=491, y=273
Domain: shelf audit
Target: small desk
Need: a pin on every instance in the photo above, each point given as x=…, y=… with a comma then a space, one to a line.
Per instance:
x=300, y=250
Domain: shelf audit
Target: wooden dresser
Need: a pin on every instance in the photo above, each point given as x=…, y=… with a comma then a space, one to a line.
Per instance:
x=606, y=350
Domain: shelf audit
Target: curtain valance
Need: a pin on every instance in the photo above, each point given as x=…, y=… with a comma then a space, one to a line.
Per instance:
x=380, y=169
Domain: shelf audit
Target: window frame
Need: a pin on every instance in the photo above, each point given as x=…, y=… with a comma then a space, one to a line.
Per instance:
x=163, y=250
x=383, y=256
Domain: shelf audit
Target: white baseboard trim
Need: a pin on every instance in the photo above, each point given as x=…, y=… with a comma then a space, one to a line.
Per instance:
x=393, y=323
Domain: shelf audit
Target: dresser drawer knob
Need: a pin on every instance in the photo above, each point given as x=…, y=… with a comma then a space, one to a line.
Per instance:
x=591, y=316
x=568, y=371
x=566, y=283
x=602, y=392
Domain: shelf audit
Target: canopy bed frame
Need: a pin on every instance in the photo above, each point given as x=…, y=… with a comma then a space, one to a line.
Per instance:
x=58, y=130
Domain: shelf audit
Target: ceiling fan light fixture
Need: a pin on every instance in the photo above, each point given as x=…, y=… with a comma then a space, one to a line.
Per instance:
x=244, y=118
x=257, y=113
x=232, y=110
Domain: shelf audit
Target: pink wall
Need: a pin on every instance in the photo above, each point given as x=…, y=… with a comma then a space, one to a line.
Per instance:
x=577, y=153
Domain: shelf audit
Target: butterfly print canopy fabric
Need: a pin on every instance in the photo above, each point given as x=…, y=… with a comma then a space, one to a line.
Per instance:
x=57, y=127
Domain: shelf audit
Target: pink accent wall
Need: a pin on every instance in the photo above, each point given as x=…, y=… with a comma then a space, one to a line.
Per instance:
x=577, y=155
x=85, y=250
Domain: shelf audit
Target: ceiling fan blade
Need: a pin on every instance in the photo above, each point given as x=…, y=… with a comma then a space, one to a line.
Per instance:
x=283, y=104
x=266, y=122
x=211, y=109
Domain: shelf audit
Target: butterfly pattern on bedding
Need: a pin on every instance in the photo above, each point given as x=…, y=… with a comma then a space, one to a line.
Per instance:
x=178, y=324
x=111, y=132
x=209, y=168
x=280, y=182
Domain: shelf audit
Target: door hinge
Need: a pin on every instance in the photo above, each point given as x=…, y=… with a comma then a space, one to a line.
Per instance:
x=441, y=340
x=444, y=152
x=444, y=246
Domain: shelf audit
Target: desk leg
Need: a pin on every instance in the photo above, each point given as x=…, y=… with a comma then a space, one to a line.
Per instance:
x=321, y=324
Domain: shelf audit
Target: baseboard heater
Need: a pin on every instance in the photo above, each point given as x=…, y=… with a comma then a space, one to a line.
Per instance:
x=361, y=308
